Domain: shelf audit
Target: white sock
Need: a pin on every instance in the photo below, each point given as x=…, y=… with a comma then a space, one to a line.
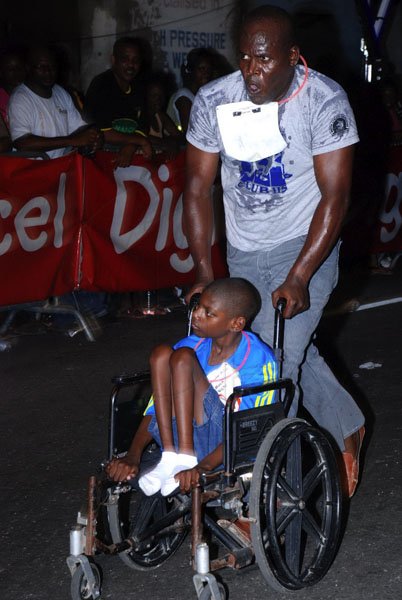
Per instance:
x=151, y=482
x=184, y=462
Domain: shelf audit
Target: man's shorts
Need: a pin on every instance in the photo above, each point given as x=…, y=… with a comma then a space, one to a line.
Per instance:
x=207, y=436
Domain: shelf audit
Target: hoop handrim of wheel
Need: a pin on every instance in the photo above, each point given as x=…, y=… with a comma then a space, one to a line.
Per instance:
x=284, y=514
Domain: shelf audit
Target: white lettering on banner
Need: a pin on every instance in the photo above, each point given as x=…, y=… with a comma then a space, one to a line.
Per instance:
x=123, y=241
x=22, y=222
x=393, y=215
x=181, y=266
x=163, y=174
x=184, y=266
x=61, y=209
x=5, y=211
x=164, y=220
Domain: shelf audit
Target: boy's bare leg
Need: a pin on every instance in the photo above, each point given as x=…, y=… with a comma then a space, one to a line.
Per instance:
x=179, y=386
x=189, y=385
x=162, y=393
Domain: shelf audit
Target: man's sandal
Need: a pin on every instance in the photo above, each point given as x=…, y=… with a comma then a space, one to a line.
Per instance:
x=352, y=464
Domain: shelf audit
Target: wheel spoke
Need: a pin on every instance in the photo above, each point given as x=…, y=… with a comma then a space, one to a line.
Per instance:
x=287, y=489
x=146, y=513
x=294, y=467
x=293, y=543
x=284, y=519
x=312, y=528
x=312, y=479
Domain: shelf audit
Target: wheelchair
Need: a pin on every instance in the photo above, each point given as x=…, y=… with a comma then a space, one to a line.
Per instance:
x=276, y=502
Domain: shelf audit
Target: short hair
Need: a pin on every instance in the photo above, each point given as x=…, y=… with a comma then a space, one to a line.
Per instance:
x=143, y=46
x=240, y=297
x=193, y=59
x=126, y=41
x=269, y=12
x=37, y=49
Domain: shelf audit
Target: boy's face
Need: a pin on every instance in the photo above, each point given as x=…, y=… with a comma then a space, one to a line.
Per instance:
x=211, y=319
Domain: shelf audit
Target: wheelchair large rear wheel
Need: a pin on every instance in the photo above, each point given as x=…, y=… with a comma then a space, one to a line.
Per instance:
x=131, y=514
x=295, y=501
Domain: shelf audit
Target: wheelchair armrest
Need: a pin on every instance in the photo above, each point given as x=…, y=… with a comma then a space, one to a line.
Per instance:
x=245, y=429
x=279, y=384
x=130, y=378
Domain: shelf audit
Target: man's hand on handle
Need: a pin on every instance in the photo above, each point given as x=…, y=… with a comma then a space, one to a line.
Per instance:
x=296, y=294
x=197, y=288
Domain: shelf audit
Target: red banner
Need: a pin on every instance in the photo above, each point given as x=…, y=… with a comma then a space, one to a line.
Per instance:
x=133, y=221
x=75, y=222
x=389, y=228
x=40, y=210
x=376, y=224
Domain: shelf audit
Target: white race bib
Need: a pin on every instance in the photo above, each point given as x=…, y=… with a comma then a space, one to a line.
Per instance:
x=250, y=132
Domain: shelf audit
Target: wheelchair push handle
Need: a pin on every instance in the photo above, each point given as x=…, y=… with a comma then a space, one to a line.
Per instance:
x=279, y=328
x=279, y=324
x=194, y=301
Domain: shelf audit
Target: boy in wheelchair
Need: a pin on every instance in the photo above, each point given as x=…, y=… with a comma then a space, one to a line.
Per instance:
x=276, y=501
x=191, y=383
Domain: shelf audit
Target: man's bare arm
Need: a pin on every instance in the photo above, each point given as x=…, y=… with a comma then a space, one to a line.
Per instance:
x=201, y=168
x=84, y=136
x=333, y=171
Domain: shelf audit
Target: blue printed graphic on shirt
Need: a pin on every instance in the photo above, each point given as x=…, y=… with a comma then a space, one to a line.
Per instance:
x=266, y=176
x=253, y=363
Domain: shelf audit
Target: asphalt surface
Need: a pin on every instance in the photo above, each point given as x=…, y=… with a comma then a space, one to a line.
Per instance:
x=54, y=395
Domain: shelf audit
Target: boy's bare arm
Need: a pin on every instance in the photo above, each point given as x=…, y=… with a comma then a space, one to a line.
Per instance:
x=187, y=479
x=121, y=469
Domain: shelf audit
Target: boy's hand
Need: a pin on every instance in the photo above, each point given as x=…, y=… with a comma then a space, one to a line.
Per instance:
x=189, y=478
x=122, y=469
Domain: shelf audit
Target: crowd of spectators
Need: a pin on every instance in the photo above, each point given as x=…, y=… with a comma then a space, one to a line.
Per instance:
x=124, y=111
x=129, y=108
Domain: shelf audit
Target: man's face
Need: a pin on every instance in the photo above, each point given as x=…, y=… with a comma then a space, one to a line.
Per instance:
x=42, y=69
x=266, y=61
x=126, y=63
x=12, y=71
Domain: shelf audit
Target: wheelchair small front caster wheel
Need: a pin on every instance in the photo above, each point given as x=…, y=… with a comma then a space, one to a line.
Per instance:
x=81, y=588
x=206, y=593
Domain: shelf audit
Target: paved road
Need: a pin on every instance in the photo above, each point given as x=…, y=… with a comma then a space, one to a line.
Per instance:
x=54, y=393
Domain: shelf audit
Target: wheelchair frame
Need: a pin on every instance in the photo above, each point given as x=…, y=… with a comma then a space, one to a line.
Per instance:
x=280, y=482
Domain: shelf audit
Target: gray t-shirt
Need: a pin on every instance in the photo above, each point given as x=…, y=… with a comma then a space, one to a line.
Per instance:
x=273, y=200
